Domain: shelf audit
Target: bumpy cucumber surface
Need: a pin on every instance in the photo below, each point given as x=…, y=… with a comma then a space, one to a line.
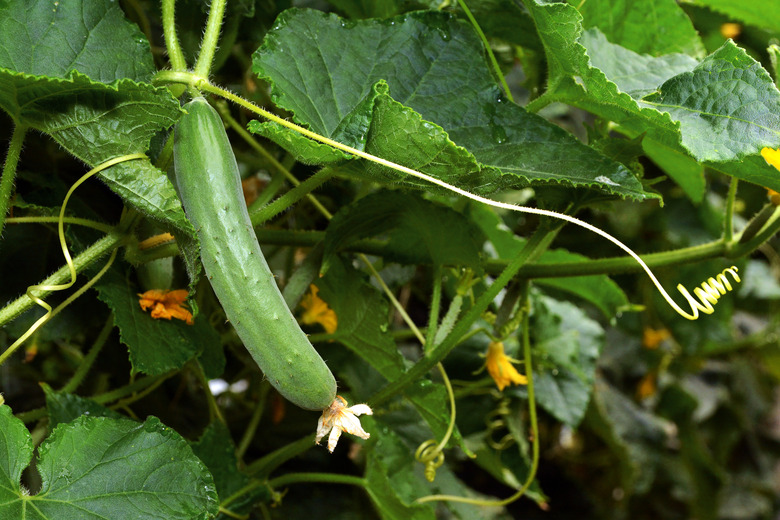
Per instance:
x=209, y=185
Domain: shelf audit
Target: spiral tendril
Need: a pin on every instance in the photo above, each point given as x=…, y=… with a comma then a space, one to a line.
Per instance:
x=429, y=454
x=709, y=292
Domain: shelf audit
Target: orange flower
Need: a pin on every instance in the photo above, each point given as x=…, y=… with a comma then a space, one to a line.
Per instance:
x=500, y=368
x=730, y=30
x=647, y=387
x=317, y=311
x=166, y=304
x=651, y=338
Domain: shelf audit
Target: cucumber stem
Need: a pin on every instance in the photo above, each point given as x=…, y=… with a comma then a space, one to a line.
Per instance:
x=208, y=45
x=9, y=171
x=175, y=55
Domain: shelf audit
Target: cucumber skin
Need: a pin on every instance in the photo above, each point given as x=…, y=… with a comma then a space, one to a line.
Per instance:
x=209, y=186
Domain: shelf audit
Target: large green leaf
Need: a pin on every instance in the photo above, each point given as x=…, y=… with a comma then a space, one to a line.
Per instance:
x=99, y=467
x=156, y=346
x=417, y=90
x=658, y=27
x=730, y=128
x=447, y=238
x=45, y=38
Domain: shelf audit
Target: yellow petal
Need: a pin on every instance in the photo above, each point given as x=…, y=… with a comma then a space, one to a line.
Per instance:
x=771, y=156
x=500, y=367
x=317, y=311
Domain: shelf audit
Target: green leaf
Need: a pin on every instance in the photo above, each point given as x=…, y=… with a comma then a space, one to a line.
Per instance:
x=575, y=81
x=728, y=106
x=507, y=20
x=566, y=344
x=43, y=38
x=635, y=74
x=392, y=483
x=97, y=122
x=417, y=231
x=217, y=451
x=475, y=139
x=156, y=346
x=657, y=28
x=64, y=408
x=636, y=436
x=765, y=14
x=362, y=318
x=98, y=467
x=16, y=451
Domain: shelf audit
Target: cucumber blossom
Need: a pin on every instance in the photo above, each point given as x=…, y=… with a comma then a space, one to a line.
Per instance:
x=209, y=186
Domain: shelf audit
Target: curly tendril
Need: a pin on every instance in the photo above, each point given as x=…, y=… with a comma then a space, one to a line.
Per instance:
x=50, y=313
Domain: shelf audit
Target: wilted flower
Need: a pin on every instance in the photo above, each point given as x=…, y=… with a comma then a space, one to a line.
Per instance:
x=166, y=304
x=500, y=367
x=337, y=418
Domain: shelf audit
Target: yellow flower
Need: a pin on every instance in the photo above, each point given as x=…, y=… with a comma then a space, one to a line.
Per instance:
x=730, y=30
x=651, y=338
x=337, y=418
x=500, y=368
x=166, y=304
x=771, y=156
x=317, y=311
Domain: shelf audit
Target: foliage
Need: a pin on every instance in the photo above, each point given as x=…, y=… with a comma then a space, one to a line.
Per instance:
x=421, y=166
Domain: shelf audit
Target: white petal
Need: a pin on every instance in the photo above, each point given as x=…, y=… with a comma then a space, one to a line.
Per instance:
x=333, y=439
x=322, y=430
x=360, y=409
x=351, y=424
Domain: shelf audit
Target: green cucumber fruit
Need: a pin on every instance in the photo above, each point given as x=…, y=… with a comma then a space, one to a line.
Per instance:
x=209, y=186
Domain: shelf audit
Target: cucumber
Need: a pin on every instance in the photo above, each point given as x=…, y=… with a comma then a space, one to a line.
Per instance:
x=209, y=186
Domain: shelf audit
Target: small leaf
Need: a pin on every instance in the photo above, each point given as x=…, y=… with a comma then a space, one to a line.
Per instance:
x=446, y=238
x=391, y=482
x=566, y=345
x=64, y=408
x=98, y=467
